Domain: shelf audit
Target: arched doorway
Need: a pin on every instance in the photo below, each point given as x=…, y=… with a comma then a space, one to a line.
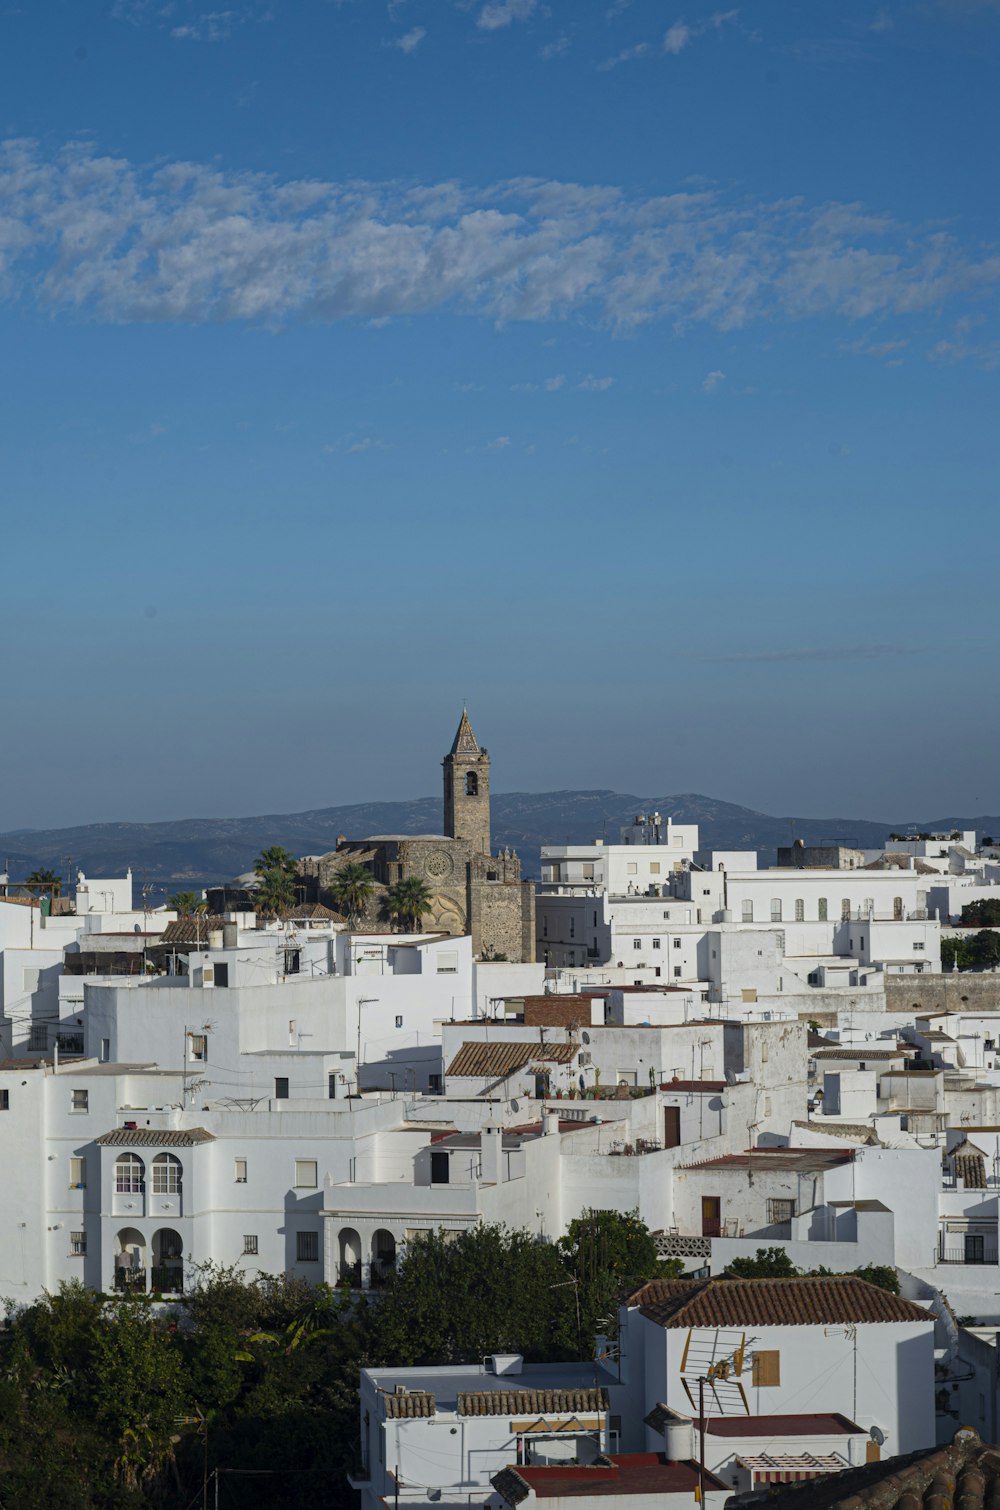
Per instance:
x=130, y=1260
x=383, y=1263
x=350, y=1258
x=168, y=1262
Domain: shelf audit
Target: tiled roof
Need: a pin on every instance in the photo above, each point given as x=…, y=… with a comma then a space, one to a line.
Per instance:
x=192, y=930
x=532, y=1402
x=705, y=1086
x=820, y=1424
x=771, y=1302
x=642, y=1473
x=789, y=1160
x=969, y=1165
x=966, y=1473
x=857, y=1051
x=312, y=912
x=412, y=1403
x=500, y=1059
x=154, y=1137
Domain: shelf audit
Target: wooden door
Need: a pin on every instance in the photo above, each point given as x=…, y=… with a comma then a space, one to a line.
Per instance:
x=711, y=1214
x=671, y=1127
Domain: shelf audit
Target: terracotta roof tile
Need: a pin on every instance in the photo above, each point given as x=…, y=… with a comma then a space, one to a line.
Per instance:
x=771, y=1302
x=965, y=1473
x=532, y=1402
x=154, y=1137
x=412, y=1403
x=501, y=1059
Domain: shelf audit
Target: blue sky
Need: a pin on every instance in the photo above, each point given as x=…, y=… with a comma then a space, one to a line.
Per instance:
x=628, y=369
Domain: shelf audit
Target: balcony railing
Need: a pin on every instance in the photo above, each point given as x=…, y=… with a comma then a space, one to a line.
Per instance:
x=130, y=1279
x=973, y=1250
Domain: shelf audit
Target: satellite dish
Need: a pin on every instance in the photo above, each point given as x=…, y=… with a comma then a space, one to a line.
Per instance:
x=585, y=1037
x=877, y=1435
x=514, y=1106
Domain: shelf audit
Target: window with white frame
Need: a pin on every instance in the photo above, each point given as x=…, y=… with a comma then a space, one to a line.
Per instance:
x=240, y=1171
x=447, y=962
x=747, y=912
x=631, y=868
x=800, y=910
x=677, y=971
x=678, y=943
x=918, y=946
x=821, y=909
x=775, y=909
x=77, y=1244
x=166, y=1174
x=307, y=1247
x=305, y=1174
x=130, y=1174
x=656, y=943
x=199, y=1045
x=250, y=1245
x=845, y=909
x=637, y=943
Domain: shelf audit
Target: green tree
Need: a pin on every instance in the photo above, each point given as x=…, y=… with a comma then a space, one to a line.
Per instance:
x=609, y=1255
x=985, y=913
x=882, y=1275
x=489, y=1290
x=352, y=888
x=43, y=879
x=184, y=903
x=407, y=903
x=769, y=1263
x=137, y=1389
x=277, y=868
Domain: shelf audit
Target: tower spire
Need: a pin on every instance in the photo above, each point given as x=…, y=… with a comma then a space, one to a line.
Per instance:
x=465, y=742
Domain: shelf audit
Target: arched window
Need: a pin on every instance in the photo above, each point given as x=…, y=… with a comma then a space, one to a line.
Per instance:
x=472, y=784
x=130, y=1174
x=166, y=1174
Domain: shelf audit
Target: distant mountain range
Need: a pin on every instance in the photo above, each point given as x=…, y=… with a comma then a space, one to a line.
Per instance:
x=192, y=852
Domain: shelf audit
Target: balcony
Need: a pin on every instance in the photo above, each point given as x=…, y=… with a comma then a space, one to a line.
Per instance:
x=968, y=1248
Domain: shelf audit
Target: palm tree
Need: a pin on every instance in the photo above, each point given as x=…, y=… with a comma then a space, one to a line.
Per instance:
x=275, y=894
x=276, y=858
x=184, y=903
x=408, y=901
x=352, y=888
x=42, y=879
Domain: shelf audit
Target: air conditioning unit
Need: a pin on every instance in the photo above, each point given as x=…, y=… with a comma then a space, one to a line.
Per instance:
x=585, y=1057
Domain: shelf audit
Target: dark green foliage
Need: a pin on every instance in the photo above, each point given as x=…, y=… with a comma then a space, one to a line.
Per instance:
x=94, y=1392
x=769, y=1263
x=774, y=1263
x=981, y=951
x=610, y=1255
x=982, y=914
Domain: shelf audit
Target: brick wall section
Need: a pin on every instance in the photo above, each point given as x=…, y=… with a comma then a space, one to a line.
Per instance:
x=556, y=1011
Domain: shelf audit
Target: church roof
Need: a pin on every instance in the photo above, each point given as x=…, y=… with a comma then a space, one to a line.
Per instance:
x=465, y=742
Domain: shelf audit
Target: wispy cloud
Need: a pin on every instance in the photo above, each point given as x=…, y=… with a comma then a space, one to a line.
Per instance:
x=820, y=653
x=680, y=34
x=627, y=55
x=189, y=243
x=712, y=380
x=554, y=49
x=881, y=21
x=500, y=444
x=185, y=22
x=592, y=384
x=411, y=40
x=500, y=13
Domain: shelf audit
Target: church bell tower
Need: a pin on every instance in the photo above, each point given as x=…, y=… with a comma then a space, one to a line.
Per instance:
x=467, y=789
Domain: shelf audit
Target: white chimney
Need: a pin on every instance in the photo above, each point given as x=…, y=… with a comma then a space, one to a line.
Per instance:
x=490, y=1153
